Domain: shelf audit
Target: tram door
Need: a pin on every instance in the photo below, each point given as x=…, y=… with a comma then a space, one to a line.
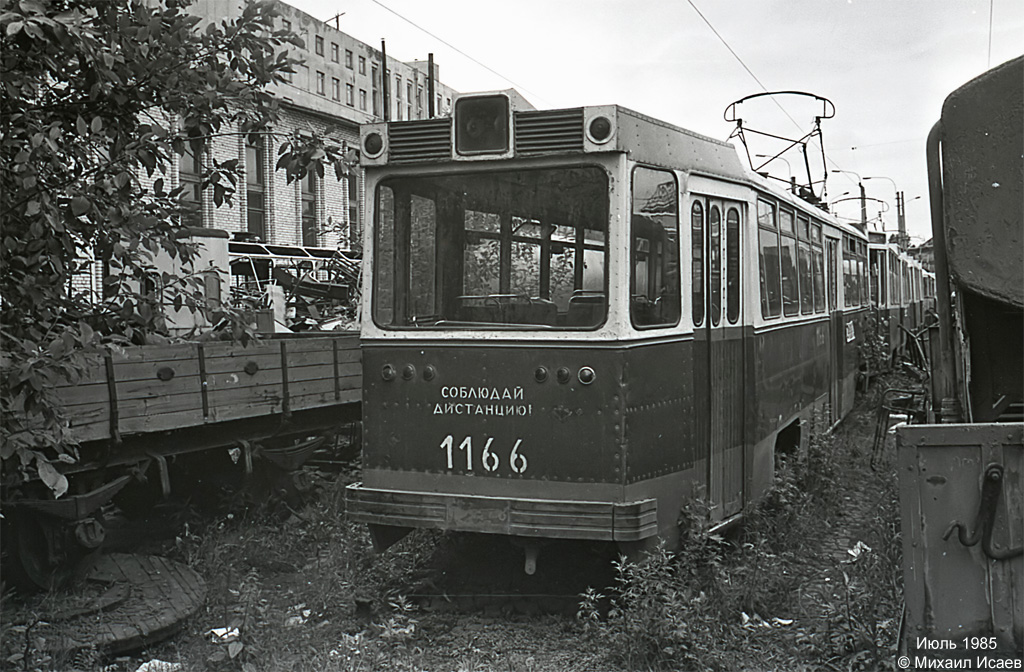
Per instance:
x=718, y=347
x=837, y=335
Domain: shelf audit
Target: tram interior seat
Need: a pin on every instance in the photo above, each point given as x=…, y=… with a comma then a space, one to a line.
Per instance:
x=586, y=308
x=507, y=309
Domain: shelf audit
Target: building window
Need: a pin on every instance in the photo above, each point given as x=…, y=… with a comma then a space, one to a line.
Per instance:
x=362, y=99
x=308, y=198
x=362, y=65
x=255, y=164
x=334, y=52
x=190, y=174
x=348, y=59
x=321, y=87
x=398, y=97
x=335, y=88
x=350, y=94
x=319, y=45
x=287, y=25
x=376, y=103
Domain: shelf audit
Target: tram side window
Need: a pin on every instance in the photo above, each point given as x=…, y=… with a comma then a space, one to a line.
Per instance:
x=819, y=268
x=732, y=265
x=656, y=298
x=715, y=259
x=894, y=285
x=906, y=282
x=697, y=261
x=862, y=261
x=853, y=273
x=790, y=281
x=771, y=275
x=878, y=291
x=804, y=263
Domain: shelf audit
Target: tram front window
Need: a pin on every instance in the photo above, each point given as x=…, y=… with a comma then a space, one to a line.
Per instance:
x=514, y=249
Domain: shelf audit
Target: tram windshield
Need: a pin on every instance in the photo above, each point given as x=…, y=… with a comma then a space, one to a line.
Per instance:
x=509, y=249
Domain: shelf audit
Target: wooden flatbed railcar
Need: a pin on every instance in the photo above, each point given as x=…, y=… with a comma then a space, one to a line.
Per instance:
x=133, y=408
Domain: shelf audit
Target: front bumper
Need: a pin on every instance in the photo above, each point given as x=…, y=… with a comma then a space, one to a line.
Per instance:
x=547, y=518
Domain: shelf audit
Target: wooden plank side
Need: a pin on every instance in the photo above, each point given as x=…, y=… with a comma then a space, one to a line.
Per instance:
x=92, y=423
x=146, y=403
x=216, y=365
x=128, y=390
x=125, y=371
x=168, y=352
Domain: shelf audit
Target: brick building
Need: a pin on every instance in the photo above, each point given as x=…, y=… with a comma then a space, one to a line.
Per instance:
x=339, y=86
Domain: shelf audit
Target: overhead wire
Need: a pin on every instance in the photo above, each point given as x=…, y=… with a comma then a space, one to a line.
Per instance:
x=740, y=60
x=751, y=73
x=451, y=46
x=991, y=11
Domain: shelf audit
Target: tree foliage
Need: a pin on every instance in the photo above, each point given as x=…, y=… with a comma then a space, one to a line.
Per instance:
x=100, y=98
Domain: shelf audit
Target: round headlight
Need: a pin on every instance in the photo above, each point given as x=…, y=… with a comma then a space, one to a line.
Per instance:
x=373, y=145
x=600, y=129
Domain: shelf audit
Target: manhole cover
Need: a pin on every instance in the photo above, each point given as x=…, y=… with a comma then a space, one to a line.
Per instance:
x=126, y=602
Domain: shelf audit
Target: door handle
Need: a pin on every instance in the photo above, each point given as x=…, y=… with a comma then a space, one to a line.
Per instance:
x=984, y=522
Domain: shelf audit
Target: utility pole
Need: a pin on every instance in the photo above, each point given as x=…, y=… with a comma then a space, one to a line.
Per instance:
x=384, y=78
x=863, y=206
x=901, y=218
x=430, y=84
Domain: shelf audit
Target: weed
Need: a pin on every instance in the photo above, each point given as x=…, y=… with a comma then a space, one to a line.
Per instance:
x=873, y=350
x=666, y=609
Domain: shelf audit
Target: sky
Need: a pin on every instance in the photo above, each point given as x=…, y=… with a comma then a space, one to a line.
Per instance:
x=885, y=65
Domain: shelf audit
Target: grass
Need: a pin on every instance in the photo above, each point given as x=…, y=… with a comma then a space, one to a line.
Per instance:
x=305, y=592
x=774, y=592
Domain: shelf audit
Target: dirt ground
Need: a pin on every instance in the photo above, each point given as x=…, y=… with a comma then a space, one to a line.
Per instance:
x=297, y=587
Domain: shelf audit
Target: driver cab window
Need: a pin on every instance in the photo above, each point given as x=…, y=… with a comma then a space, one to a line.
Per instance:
x=656, y=296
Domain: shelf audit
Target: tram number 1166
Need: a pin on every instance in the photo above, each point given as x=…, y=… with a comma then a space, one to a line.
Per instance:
x=489, y=459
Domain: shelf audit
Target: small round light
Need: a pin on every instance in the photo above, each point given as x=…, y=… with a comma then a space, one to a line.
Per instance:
x=409, y=372
x=541, y=374
x=600, y=129
x=563, y=375
x=373, y=145
x=429, y=372
x=388, y=372
x=586, y=375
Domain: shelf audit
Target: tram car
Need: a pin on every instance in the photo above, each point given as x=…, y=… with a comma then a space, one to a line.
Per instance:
x=576, y=319
x=962, y=476
x=902, y=294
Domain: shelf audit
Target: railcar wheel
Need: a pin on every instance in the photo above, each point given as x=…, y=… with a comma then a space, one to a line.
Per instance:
x=47, y=552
